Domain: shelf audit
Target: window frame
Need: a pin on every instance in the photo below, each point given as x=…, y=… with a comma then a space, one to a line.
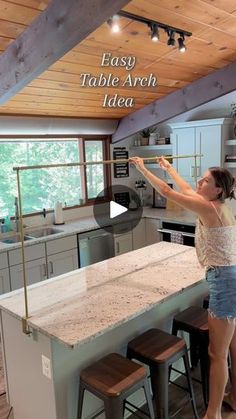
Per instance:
x=106, y=170
x=106, y=141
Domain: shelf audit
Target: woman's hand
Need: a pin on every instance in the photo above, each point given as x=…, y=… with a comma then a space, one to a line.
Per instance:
x=164, y=164
x=138, y=162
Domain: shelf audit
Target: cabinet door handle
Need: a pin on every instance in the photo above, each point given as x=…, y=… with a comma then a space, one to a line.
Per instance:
x=192, y=171
x=51, y=268
x=117, y=247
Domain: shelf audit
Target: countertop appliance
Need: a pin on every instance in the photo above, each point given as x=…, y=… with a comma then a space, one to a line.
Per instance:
x=159, y=201
x=95, y=245
x=178, y=233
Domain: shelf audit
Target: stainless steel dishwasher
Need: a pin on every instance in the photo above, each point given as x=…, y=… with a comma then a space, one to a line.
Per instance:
x=95, y=246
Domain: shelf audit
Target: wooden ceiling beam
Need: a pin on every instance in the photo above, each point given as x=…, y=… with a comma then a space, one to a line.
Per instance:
x=203, y=90
x=61, y=26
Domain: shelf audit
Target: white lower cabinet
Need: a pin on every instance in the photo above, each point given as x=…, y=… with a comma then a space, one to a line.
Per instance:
x=58, y=256
x=35, y=271
x=123, y=243
x=43, y=260
x=139, y=235
x=35, y=265
x=152, y=235
x=63, y=262
x=4, y=274
x=4, y=281
x=62, y=255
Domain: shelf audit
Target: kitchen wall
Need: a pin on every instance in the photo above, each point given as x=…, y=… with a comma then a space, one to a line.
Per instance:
x=53, y=126
x=15, y=125
x=134, y=174
x=164, y=130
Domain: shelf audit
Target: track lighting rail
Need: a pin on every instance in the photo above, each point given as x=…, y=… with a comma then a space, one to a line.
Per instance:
x=150, y=22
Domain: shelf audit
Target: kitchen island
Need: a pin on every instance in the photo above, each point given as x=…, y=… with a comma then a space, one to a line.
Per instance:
x=80, y=316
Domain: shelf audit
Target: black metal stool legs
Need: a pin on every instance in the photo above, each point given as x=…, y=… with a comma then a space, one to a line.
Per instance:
x=160, y=382
x=149, y=399
x=114, y=408
x=190, y=385
x=204, y=365
x=80, y=401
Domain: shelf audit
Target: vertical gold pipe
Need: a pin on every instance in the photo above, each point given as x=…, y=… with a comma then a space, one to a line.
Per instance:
x=24, y=320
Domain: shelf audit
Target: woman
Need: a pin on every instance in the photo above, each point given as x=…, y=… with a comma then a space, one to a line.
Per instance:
x=216, y=250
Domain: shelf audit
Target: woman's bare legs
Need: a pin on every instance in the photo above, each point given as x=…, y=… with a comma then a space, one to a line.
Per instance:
x=221, y=333
x=231, y=396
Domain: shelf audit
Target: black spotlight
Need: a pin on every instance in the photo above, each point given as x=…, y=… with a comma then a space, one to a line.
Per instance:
x=154, y=32
x=182, y=47
x=171, y=39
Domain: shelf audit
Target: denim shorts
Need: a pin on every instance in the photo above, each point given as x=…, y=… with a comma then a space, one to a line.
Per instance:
x=222, y=290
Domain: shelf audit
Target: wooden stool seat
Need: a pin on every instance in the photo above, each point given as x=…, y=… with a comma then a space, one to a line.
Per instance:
x=113, y=378
x=192, y=319
x=113, y=374
x=159, y=350
x=155, y=346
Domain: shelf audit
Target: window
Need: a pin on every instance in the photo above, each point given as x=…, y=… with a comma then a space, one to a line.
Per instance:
x=42, y=188
x=94, y=173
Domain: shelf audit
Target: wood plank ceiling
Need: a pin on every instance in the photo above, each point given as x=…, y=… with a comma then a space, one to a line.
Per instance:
x=58, y=91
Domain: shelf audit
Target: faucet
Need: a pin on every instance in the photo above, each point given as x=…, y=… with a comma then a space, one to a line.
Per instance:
x=17, y=220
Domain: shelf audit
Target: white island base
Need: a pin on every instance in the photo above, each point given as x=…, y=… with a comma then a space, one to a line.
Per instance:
x=80, y=316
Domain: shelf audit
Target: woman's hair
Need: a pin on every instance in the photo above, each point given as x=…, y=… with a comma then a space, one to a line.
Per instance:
x=225, y=180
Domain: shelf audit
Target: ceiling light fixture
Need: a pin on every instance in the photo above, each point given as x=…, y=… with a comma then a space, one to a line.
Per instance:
x=113, y=22
x=154, y=32
x=182, y=47
x=154, y=26
x=171, y=39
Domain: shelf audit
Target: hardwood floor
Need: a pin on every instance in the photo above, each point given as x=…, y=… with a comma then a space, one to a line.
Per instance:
x=180, y=406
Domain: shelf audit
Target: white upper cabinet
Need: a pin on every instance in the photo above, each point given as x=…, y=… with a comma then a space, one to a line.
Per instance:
x=209, y=142
x=205, y=137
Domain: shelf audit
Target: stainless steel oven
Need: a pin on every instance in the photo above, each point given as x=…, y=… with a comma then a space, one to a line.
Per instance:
x=178, y=233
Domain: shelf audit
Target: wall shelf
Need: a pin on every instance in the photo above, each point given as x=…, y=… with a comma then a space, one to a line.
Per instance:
x=230, y=165
x=230, y=142
x=152, y=147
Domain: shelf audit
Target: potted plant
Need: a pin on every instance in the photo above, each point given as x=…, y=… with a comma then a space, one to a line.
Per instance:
x=148, y=135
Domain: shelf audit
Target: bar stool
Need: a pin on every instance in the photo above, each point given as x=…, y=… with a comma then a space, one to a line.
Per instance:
x=112, y=379
x=159, y=350
x=194, y=320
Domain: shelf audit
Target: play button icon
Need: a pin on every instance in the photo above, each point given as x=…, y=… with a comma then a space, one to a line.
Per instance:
x=116, y=209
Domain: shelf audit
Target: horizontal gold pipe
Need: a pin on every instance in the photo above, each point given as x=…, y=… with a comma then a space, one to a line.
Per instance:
x=47, y=166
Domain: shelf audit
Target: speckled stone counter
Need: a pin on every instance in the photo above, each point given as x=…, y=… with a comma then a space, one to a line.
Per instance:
x=68, y=308
x=89, y=223
x=79, y=317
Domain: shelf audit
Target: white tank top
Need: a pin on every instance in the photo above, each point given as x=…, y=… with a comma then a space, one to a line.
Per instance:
x=215, y=246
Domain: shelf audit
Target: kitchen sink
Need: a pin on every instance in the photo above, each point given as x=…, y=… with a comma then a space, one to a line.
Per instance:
x=34, y=234
x=41, y=232
x=15, y=239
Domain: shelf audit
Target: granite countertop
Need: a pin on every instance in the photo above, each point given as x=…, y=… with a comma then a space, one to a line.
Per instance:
x=89, y=223
x=68, y=308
